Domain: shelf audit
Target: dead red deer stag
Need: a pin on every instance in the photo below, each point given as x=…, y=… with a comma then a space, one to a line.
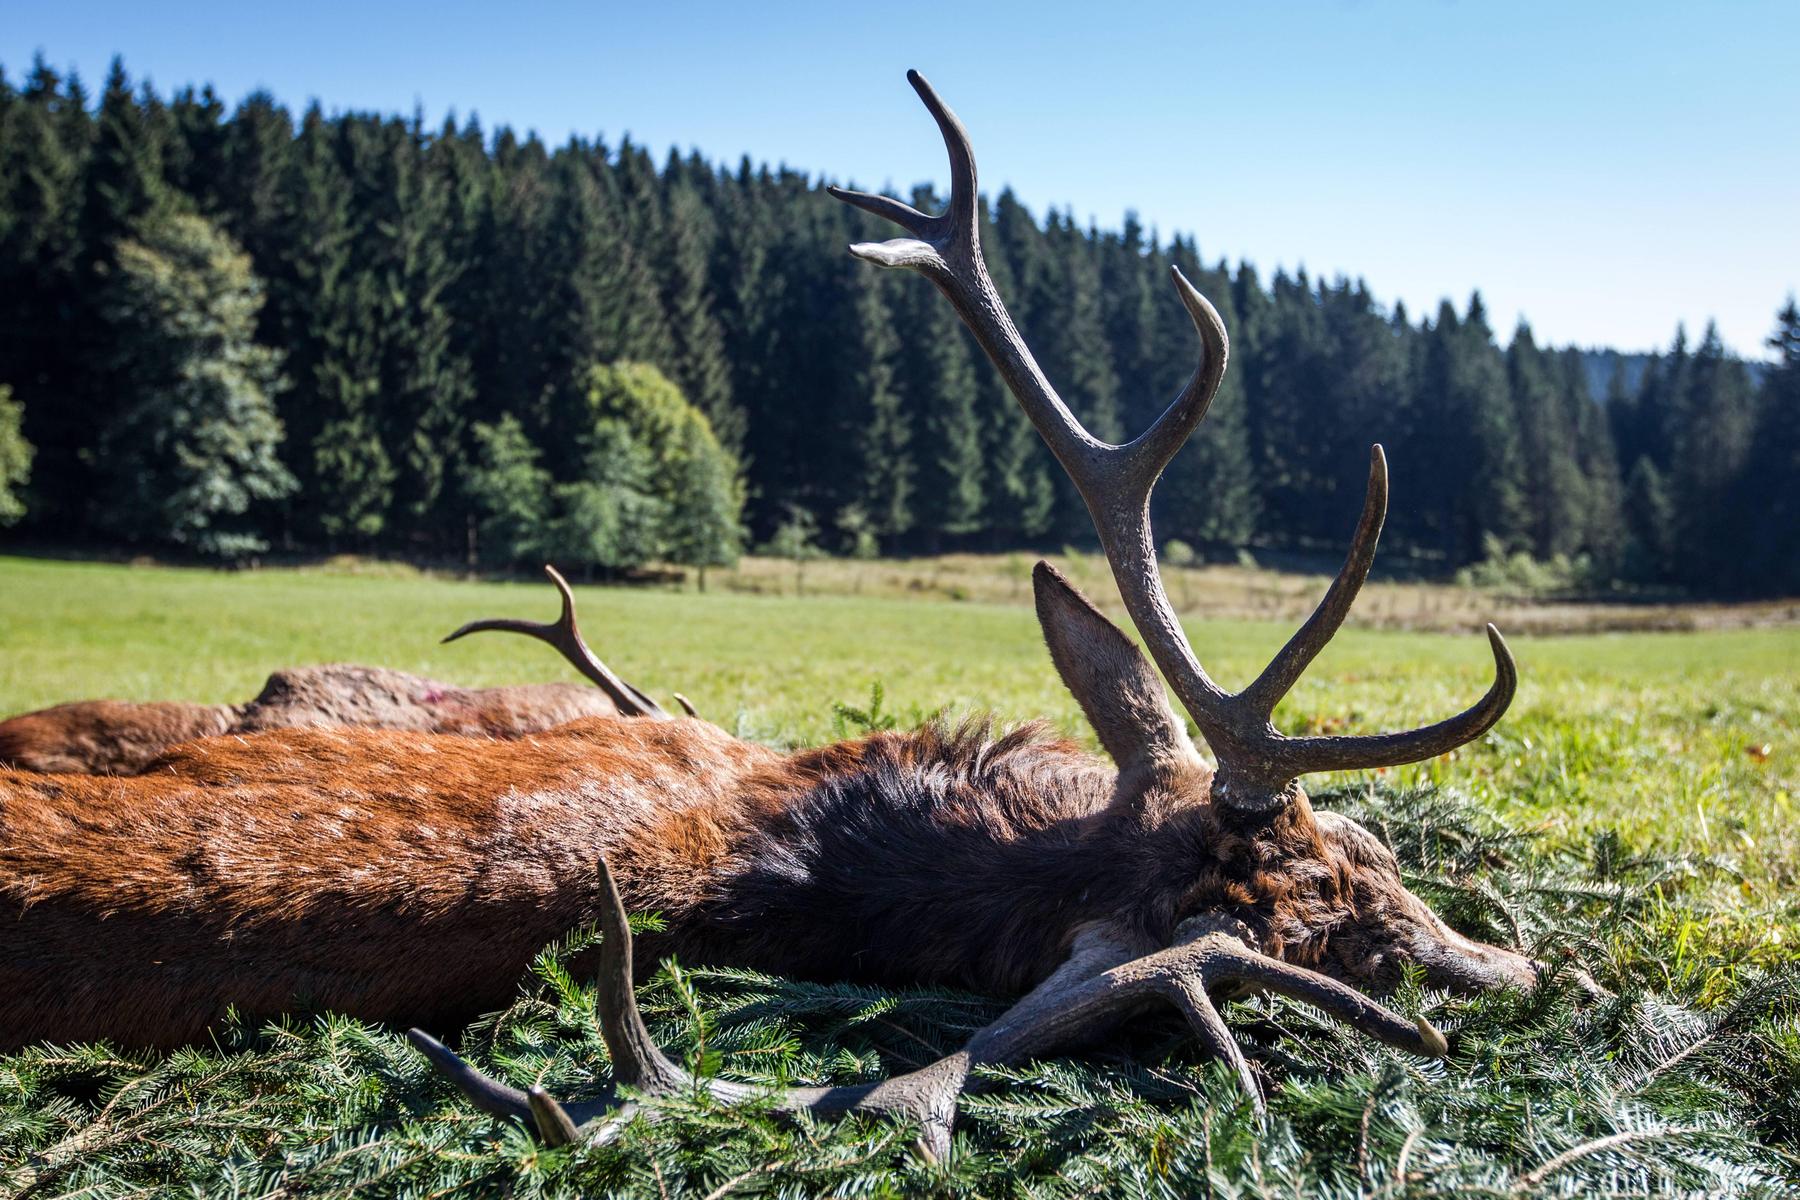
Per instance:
x=116, y=737
x=412, y=877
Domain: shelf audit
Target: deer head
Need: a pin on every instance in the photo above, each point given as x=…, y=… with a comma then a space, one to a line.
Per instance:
x=1253, y=889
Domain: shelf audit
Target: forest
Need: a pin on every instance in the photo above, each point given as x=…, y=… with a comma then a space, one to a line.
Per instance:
x=226, y=331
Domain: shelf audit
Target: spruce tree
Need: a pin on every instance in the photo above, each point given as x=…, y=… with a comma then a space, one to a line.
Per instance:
x=425, y=379
x=1555, y=495
x=1602, y=517
x=1466, y=441
x=943, y=405
x=1714, y=421
x=194, y=446
x=872, y=417
x=43, y=305
x=124, y=177
x=1766, y=495
x=699, y=365
x=1650, y=521
x=325, y=301
x=1209, y=491
x=243, y=169
x=1020, y=498
x=423, y=280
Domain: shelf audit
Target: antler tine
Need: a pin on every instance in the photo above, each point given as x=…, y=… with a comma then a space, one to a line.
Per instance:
x=888, y=209
x=1287, y=666
x=964, y=193
x=1153, y=449
x=637, y=1060
x=565, y=635
x=1355, y=753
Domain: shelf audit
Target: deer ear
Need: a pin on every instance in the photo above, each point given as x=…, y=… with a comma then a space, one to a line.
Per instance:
x=1121, y=694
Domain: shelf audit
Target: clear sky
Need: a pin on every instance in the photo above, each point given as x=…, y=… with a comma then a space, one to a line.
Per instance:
x=1606, y=169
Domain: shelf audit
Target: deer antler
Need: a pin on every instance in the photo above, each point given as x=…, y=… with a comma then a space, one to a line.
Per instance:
x=1101, y=982
x=1257, y=766
x=566, y=637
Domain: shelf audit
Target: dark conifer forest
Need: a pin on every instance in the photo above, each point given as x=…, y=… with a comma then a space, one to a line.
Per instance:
x=225, y=329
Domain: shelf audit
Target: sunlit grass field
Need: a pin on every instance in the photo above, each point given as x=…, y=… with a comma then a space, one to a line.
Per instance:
x=1680, y=747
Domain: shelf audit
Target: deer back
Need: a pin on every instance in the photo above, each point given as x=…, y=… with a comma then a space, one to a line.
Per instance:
x=382, y=874
x=116, y=737
x=379, y=698
x=106, y=737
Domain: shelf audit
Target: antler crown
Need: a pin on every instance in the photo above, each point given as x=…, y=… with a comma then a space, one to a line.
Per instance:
x=1257, y=765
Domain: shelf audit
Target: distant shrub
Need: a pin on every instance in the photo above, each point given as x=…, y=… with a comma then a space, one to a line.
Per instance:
x=1517, y=572
x=15, y=457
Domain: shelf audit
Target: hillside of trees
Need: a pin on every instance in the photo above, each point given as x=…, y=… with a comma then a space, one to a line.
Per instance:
x=224, y=329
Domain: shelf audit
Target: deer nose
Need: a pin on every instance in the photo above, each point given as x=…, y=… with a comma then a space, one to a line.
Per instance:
x=1462, y=965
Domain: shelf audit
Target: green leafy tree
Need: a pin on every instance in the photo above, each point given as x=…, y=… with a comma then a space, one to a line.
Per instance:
x=860, y=539
x=611, y=517
x=796, y=539
x=686, y=464
x=703, y=525
x=15, y=457
x=511, y=490
x=194, y=446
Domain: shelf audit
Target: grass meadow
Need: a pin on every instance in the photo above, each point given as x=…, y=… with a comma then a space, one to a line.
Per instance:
x=1636, y=808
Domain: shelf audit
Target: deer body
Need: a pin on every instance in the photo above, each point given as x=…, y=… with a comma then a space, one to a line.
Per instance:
x=412, y=878
x=114, y=737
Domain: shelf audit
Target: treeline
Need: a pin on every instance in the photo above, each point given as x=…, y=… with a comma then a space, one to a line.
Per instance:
x=423, y=311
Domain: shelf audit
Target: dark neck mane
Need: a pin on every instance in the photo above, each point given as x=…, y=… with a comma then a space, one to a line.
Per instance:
x=953, y=853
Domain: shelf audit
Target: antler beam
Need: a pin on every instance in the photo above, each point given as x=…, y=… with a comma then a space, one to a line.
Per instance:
x=563, y=634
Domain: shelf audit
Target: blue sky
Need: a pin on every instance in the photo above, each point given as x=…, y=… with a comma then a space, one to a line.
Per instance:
x=1608, y=170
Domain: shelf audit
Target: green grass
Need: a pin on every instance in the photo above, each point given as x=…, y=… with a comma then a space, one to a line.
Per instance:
x=1661, y=841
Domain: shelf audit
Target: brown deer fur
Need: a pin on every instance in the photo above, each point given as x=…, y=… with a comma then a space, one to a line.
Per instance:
x=113, y=737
